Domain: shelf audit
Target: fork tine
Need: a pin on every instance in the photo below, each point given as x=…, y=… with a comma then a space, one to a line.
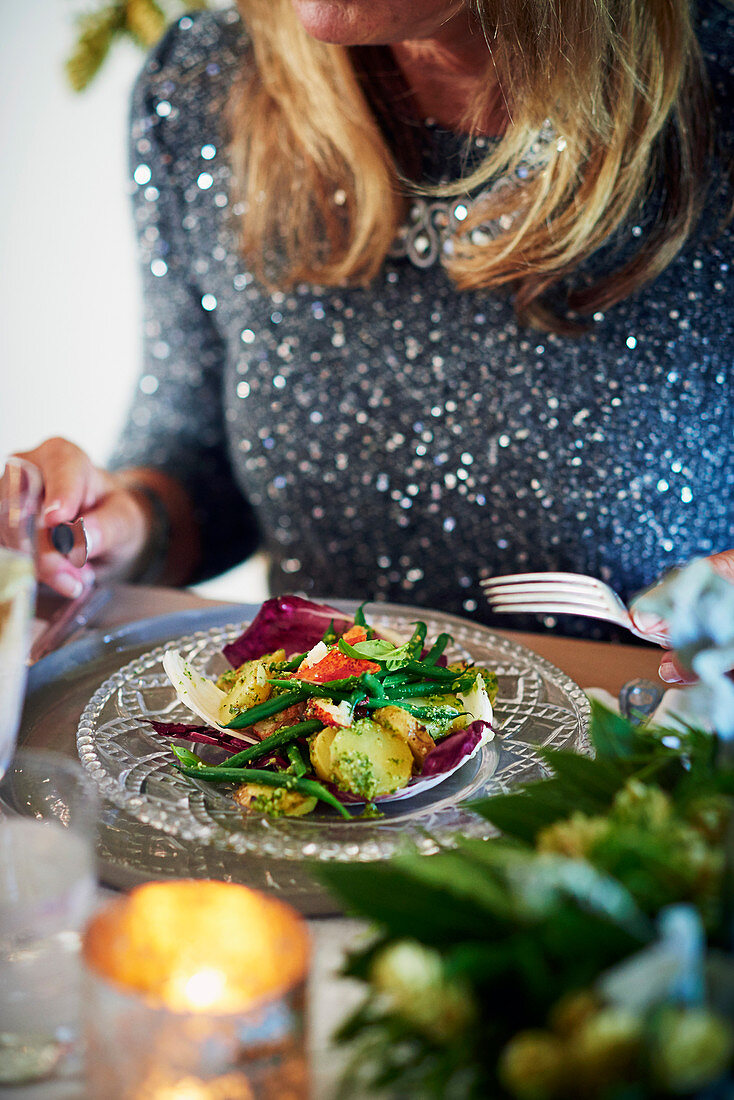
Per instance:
x=565, y=584
x=523, y=602
x=515, y=578
x=538, y=588
x=558, y=609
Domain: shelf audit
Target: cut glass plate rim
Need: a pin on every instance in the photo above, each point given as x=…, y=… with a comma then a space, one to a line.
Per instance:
x=208, y=817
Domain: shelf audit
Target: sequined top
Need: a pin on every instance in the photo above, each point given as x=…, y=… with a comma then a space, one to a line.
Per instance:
x=401, y=441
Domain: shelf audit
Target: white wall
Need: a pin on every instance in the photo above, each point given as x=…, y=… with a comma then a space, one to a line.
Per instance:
x=68, y=284
x=69, y=307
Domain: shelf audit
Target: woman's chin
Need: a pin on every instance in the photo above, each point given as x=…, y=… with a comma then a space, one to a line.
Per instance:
x=341, y=22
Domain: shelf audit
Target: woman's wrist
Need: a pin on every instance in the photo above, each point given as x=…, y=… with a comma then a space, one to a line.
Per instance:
x=150, y=566
x=170, y=548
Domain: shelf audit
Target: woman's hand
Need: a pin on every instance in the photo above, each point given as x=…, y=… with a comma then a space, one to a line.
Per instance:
x=671, y=671
x=115, y=518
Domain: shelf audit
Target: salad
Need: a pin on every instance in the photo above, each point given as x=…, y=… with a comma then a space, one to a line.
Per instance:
x=317, y=708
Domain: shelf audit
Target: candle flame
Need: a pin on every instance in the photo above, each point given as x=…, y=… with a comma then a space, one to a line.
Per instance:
x=199, y=946
x=204, y=989
x=233, y=1086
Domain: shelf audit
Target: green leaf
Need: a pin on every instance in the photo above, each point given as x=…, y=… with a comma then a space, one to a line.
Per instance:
x=373, y=649
x=522, y=814
x=144, y=21
x=438, y=897
x=97, y=31
x=652, y=866
x=580, y=784
x=615, y=736
x=186, y=757
x=455, y=873
x=359, y=619
x=591, y=783
x=538, y=881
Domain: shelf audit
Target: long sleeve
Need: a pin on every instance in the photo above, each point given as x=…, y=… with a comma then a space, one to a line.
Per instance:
x=176, y=421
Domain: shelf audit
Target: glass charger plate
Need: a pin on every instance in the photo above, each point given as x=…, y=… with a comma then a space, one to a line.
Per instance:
x=537, y=705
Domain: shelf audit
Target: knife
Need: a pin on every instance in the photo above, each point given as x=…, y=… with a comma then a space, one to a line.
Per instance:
x=69, y=619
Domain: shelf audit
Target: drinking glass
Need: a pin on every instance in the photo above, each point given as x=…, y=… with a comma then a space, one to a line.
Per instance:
x=20, y=497
x=48, y=814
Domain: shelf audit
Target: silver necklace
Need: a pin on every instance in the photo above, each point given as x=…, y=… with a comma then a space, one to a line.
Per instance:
x=427, y=234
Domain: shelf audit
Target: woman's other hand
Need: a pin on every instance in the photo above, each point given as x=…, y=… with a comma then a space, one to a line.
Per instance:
x=117, y=517
x=114, y=520
x=671, y=671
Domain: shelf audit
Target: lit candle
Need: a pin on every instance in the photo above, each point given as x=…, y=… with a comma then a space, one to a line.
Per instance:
x=196, y=992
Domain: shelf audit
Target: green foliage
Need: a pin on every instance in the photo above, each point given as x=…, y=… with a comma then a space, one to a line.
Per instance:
x=97, y=32
x=144, y=21
x=483, y=976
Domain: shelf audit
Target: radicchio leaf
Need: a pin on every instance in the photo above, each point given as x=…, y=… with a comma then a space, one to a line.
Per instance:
x=284, y=622
x=456, y=749
x=204, y=735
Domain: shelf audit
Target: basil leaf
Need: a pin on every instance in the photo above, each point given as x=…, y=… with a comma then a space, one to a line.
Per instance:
x=376, y=649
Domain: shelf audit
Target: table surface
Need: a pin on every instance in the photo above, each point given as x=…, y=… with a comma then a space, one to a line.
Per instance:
x=590, y=664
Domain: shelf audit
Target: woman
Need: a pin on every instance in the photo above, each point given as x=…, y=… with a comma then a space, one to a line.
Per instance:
x=434, y=290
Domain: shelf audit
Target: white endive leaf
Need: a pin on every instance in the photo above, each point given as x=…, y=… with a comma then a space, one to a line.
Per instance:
x=476, y=702
x=200, y=695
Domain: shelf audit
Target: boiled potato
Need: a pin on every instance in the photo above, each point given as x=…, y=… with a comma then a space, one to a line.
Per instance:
x=409, y=728
x=250, y=685
x=369, y=760
x=256, y=798
x=320, y=751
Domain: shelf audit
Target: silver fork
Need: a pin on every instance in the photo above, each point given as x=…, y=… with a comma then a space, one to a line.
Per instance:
x=562, y=594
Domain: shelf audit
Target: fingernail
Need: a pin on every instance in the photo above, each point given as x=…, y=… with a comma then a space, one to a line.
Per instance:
x=647, y=622
x=68, y=585
x=54, y=506
x=92, y=537
x=87, y=576
x=669, y=674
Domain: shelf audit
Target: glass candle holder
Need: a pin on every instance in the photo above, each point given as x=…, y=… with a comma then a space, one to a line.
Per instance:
x=195, y=990
x=48, y=817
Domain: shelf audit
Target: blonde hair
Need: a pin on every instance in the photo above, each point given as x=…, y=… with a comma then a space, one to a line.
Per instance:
x=621, y=82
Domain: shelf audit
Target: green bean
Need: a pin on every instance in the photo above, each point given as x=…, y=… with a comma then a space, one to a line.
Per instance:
x=298, y=767
x=418, y=637
x=326, y=690
x=373, y=685
x=394, y=678
x=437, y=648
x=420, y=710
x=349, y=683
x=426, y=670
x=266, y=710
x=430, y=713
x=308, y=787
x=293, y=663
x=276, y=740
x=422, y=687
